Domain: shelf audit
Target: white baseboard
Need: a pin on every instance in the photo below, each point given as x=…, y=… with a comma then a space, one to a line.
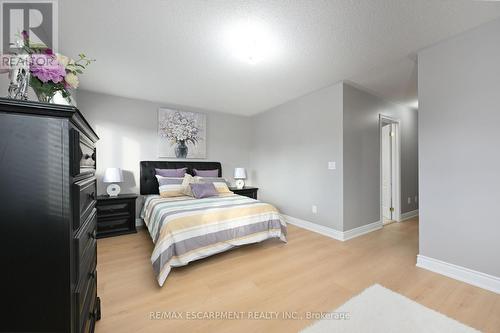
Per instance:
x=332, y=233
x=364, y=229
x=475, y=278
x=408, y=215
x=320, y=229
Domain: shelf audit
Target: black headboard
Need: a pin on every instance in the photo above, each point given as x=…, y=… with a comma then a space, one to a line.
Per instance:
x=149, y=184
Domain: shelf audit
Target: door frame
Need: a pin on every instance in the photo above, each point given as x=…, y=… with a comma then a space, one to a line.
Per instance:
x=396, y=166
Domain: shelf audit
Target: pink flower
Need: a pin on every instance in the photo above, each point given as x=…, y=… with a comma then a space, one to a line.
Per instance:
x=46, y=68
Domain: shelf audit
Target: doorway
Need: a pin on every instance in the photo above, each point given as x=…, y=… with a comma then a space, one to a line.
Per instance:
x=389, y=170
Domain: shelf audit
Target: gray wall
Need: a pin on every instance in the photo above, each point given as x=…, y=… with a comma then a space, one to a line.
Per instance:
x=286, y=150
x=459, y=97
x=362, y=156
x=128, y=132
x=291, y=149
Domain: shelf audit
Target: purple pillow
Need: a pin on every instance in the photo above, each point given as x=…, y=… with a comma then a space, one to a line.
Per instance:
x=176, y=173
x=206, y=173
x=203, y=190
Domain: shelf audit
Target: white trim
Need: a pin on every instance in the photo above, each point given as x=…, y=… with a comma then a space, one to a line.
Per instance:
x=320, y=229
x=409, y=215
x=332, y=233
x=475, y=278
x=364, y=229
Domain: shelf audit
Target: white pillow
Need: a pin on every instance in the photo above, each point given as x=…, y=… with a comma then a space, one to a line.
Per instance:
x=188, y=179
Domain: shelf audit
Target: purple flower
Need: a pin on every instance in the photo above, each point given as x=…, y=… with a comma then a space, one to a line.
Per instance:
x=46, y=68
x=25, y=35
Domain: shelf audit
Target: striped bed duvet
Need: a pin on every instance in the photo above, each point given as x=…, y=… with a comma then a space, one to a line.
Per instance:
x=185, y=229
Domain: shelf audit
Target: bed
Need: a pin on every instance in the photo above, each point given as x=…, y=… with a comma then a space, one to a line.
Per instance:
x=185, y=229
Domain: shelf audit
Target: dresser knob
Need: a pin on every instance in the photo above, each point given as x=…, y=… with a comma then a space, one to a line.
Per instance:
x=94, y=315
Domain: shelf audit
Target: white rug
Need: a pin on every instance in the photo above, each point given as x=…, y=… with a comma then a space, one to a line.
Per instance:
x=378, y=309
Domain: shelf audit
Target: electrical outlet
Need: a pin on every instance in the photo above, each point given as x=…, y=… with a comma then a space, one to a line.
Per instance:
x=416, y=199
x=332, y=166
x=409, y=200
x=314, y=209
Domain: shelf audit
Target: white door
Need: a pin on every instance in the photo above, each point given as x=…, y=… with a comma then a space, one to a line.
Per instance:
x=387, y=171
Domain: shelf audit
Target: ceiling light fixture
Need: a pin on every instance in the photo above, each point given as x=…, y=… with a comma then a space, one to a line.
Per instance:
x=249, y=41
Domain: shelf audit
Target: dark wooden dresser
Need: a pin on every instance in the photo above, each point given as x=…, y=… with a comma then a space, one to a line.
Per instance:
x=48, y=219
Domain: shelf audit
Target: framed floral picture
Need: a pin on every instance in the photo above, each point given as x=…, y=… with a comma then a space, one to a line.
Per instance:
x=181, y=134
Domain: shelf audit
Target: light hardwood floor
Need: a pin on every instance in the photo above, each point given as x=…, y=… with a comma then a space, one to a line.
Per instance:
x=310, y=273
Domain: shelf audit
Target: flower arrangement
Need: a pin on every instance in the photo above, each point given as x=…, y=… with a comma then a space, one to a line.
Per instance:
x=180, y=128
x=52, y=73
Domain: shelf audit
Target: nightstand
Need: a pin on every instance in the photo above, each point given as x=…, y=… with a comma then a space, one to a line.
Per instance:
x=115, y=215
x=246, y=191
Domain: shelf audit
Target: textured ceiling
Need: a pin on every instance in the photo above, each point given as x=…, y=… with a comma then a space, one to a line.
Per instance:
x=176, y=51
x=396, y=82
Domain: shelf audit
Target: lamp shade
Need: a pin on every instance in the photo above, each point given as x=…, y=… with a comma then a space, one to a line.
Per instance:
x=113, y=175
x=240, y=173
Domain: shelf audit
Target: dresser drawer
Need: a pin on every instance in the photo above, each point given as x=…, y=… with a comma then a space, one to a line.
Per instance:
x=84, y=286
x=84, y=200
x=86, y=263
x=89, y=326
x=92, y=316
x=82, y=154
x=85, y=299
x=85, y=241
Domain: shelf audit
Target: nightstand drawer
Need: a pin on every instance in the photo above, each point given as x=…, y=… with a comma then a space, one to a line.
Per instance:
x=115, y=209
x=250, y=192
x=113, y=224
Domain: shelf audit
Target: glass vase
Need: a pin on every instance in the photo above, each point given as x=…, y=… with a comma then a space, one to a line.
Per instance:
x=44, y=97
x=181, y=150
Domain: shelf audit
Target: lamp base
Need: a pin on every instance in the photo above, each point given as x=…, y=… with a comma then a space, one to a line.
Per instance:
x=113, y=190
x=240, y=183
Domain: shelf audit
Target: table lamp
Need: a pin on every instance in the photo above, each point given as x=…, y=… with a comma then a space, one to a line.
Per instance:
x=240, y=174
x=113, y=176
